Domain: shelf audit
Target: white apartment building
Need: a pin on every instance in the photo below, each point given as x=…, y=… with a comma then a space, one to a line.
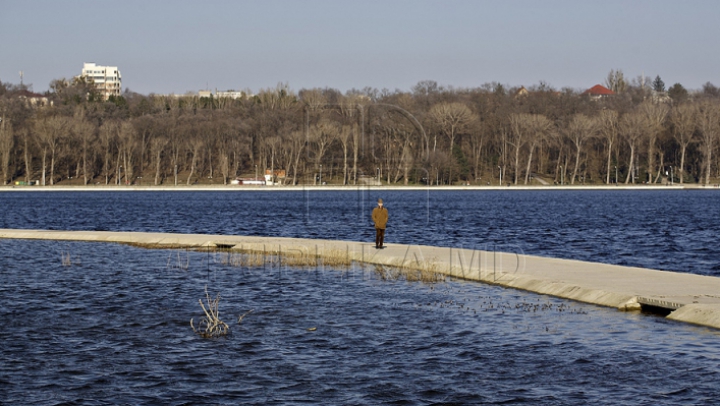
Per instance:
x=107, y=78
x=230, y=93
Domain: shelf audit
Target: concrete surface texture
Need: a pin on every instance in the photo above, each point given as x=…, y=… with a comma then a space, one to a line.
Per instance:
x=690, y=298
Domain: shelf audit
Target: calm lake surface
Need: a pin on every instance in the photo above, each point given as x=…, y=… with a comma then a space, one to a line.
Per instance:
x=111, y=323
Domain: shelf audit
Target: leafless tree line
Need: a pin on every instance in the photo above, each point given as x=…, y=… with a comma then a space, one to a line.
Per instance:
x=430, y=135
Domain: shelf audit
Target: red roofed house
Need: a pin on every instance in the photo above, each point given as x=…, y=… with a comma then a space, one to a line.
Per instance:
x=598, y=92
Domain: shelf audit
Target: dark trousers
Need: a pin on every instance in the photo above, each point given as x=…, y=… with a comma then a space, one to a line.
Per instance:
x=379, y=236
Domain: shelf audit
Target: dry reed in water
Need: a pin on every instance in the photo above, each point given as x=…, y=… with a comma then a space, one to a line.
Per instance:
x=66, y=259
x=168, y=246
x=210, y=326
x=241, y=260
x=331, y=258
x=412, y=272
x=242, y=316
x=181, y=263
x=336, y=258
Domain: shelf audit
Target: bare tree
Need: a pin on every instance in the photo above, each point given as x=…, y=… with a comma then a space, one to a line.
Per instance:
x=684, y=120
x=296, y=140
x=539, y=127
x=279, y=98
x=654, y=114
x=194, y=149
x=6, y=145
x=527, y=129
x=157, y=147
x=450, y=119
x=84, y=131
x=240, y=148
x=356, y=143
x=176, y=143
x=631, y=129
x=224, y=134
x=518, y=136
x=393, y=131
x=616, y=82
x=476, y=141
x=436, y=163
x=353, y=109
x=273, y=144
x=344, y=136
x=407, y=159
x=211, y=143
x=322, y=136
x=557, y=140
x=708, y=123
x=127, y=144
x=313, y=99
x=108, y=138
x=145, y=126
x=50, y=131
x=580, y=129
x=27, y=153
x=608, y=128
x=391, y=138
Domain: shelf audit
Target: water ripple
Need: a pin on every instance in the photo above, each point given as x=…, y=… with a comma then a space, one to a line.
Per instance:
x=671, y=230
x=113, y=328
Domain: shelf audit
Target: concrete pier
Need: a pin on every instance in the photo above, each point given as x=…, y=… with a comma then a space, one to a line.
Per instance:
x=689, y=298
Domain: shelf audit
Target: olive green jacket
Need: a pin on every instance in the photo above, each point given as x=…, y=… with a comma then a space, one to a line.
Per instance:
x=380, y=217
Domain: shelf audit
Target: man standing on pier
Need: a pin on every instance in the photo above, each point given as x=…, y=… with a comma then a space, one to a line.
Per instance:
x=380, y=217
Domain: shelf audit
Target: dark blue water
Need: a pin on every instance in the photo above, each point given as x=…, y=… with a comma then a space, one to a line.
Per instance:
x=670, y=230
x=113, y=328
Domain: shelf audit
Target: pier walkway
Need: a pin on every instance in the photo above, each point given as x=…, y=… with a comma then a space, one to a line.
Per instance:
x=687, y=297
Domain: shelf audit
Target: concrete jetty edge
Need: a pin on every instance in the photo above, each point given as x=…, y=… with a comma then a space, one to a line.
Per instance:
x=684, y=297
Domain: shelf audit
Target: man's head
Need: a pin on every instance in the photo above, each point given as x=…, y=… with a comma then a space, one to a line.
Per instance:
x=380, y=203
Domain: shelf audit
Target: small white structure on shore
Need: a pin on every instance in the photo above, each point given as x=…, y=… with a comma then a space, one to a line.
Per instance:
x=271, y=175
x=248, y=181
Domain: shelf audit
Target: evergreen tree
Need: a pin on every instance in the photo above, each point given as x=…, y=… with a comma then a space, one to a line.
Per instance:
x=710, y=90
x=678, y=93
x=658, y=84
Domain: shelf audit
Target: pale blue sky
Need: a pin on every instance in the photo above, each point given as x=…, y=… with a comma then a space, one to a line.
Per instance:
x=179, y=46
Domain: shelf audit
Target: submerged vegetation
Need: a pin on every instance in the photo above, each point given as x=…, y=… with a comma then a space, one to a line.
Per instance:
x=427, y=272
x=65, y=259
x=290, y=258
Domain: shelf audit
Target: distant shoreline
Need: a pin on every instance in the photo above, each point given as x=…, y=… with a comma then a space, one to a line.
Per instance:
x=236, y=188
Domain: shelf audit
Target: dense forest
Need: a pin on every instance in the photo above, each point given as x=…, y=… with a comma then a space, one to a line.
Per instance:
x=430, y=135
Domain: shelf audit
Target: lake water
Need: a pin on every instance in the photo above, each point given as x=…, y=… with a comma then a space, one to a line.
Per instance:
x=673, y=230
x=110, y=324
